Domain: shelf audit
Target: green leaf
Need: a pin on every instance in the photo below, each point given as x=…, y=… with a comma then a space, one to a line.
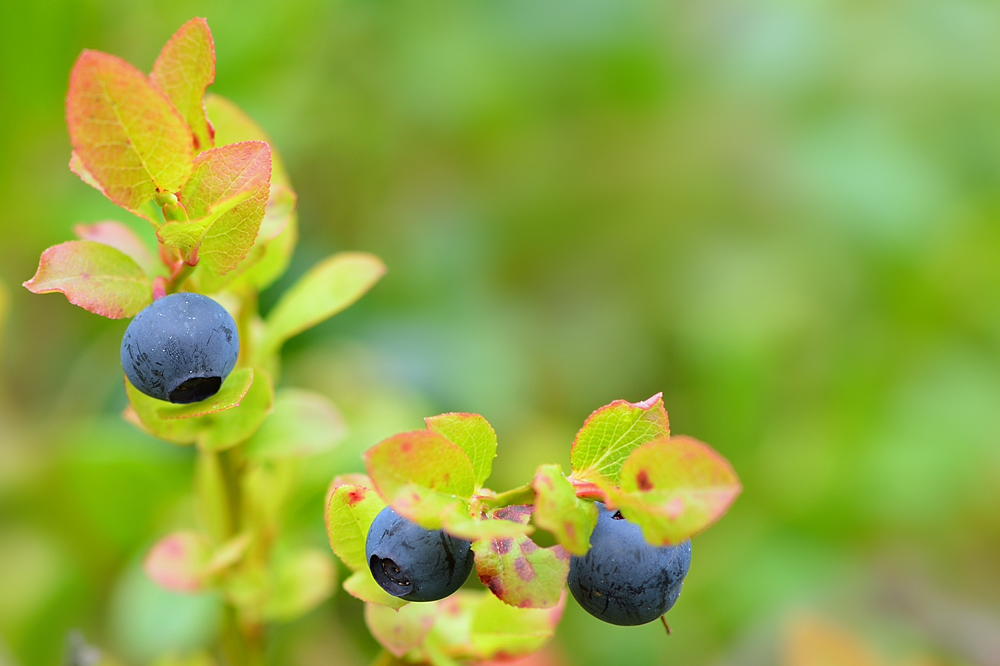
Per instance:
x=350, y=512
x=303, y=423
x=233, y=126
x=328, y=288
x=361, y=585
x=558, y=510
x=120, y=237
x=611, y=433
x=501, y=629
x=230, y=395
x=422, y=475
x=94, y=276
x=675, y=488
x=228, y=428
x=229, y=417
x=142, y=412
x=224, y=201
x=300, y=581
x=471, y=433
x=126, y=134
x=177, y=562
x=184, y=68
x=400, y=630
x=517, y=570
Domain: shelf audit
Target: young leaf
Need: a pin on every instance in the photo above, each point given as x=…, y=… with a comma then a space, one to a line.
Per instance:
x=675, y=488
x=233, y=126
x=94, y=276
x=422, y=475
x=177, y=562
x=127, y=135
x=324, y=291
x=361, y=585
x=558, y=510
x=299, y=582
x=302, y=423
x=349, y=515
x=471, y=433
x=399, y=631
x=224, y=201
x=120, y=237
x=184, y=68
x=611, y=433
x=270, y=254
x=458, y=522
x=517, y=570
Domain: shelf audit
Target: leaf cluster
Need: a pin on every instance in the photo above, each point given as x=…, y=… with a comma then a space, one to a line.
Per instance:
x=624, y=456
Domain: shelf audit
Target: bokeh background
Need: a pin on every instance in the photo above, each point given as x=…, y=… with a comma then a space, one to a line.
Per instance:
x=784, y=215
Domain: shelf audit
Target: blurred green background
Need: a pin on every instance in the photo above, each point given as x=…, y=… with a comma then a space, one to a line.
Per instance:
x=782, y=214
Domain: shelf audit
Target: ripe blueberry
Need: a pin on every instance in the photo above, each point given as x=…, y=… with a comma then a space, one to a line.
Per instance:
x=623, y=579
x=415, y=564
x=181, y=348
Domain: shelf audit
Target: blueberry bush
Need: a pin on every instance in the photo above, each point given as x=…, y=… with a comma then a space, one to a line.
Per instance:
x=202, y=369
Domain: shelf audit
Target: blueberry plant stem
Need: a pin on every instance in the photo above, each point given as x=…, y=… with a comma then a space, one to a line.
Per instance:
x=521, y=495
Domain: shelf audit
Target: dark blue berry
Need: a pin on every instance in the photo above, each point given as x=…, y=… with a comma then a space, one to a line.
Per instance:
x=623, y=579
x=415, y=564
x=181, y=348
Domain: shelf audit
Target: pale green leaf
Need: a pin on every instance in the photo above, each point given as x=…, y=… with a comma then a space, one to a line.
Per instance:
x=611, y=433
x=361, y=585
x=302, y=423
x=328, y=288
x=350, y=512
x=558, y=510
x=471, y=433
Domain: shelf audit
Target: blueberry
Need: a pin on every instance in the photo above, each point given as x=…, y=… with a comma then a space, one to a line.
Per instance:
x=623, y=579
x=181, y=348
x=415, y=564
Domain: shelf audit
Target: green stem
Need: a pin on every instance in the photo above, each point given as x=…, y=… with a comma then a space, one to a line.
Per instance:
x=521, y=495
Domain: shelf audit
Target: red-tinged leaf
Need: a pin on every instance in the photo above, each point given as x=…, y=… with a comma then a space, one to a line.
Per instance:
x=77, y=166
x=674, y=488
x=94, y=276
x=361, y=585
x=422, y=475
x=225, y=200
x=349, y=515
x=611, y=433
x=399, y=631
x=177, y=562
x=120, y=237
x=270, y=254
x=459, y=523
x=184, y=68
x=471, y=433
x=558, y=510
x=517, y=570
x=233, y=126
x=125, y=132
